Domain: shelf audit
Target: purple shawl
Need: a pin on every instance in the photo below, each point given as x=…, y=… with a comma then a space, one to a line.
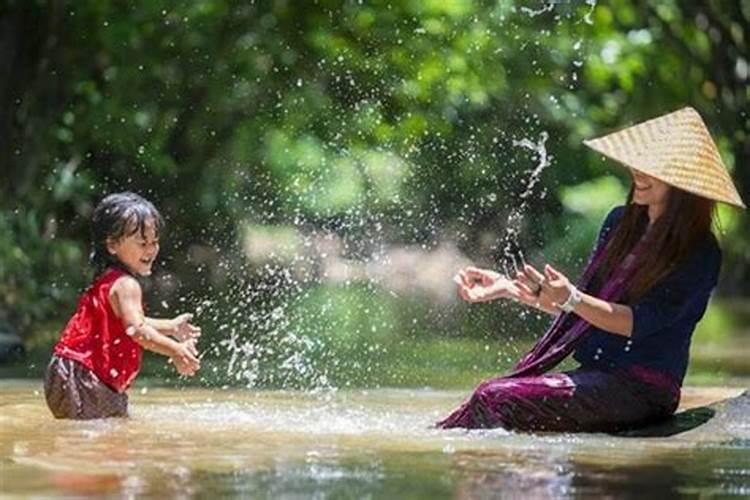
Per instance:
x=567, y=331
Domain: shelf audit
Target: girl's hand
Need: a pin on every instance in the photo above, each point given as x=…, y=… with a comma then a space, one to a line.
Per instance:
x=185, y=358
x=543, y=291
x=183, y=329
x=483, y=285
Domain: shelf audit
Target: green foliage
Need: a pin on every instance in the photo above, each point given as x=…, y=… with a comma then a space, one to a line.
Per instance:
x=39, y=275
x=335, y=116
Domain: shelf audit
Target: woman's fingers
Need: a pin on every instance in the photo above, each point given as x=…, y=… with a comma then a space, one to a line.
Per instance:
x=461, y=278
x=527, y=282
x=484, y=276
x=527, y=297
x=534, y=275
x=551, y=272
x=462, y=290
x=474, y=272
x=555, y=277
x=473, y=294
x=525, y=288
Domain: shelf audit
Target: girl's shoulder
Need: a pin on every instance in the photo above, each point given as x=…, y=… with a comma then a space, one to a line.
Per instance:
x=118, y=280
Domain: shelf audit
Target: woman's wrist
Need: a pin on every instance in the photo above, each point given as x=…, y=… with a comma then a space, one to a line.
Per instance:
x=574, y=298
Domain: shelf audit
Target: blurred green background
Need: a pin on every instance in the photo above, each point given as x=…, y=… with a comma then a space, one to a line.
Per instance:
x=325, y=166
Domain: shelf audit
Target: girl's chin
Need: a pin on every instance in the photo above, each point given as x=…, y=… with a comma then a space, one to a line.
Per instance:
x=140, y=270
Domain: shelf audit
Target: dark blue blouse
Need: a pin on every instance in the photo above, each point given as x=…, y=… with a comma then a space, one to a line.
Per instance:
x=663, y=320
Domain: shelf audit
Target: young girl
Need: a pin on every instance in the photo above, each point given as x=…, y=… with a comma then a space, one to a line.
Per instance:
x=631, y=317
x=99, y=353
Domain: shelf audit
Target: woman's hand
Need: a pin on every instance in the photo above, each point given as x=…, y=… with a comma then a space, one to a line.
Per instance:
x=558, y=287
x=543, y=291
x=483, y=285
x=183, y=330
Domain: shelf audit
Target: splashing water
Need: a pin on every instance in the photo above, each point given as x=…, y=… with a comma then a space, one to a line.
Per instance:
x=268, y=340
x=550, y=6
x=512, y=252
x=282, y=325
x=540, y=149
x=588, y=17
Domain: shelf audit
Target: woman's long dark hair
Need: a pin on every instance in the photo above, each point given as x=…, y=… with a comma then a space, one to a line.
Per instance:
x=116, y=216
x=685, y=223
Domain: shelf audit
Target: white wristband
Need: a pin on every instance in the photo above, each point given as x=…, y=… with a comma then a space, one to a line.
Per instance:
x=574, y=298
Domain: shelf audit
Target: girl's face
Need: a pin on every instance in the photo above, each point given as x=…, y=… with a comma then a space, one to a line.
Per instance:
x=649, y=190
x=137, y=251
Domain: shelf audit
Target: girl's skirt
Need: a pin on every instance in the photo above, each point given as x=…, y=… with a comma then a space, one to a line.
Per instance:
x=74, y=391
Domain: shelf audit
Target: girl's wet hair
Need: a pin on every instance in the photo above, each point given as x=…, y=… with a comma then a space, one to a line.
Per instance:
x=117, y=216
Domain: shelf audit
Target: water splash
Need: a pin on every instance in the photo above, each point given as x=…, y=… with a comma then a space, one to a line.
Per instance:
x=512, y=251
x=588, y=17
x=549, y=7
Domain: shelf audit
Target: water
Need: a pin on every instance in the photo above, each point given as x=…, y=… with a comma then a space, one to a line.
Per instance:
x=340, y=444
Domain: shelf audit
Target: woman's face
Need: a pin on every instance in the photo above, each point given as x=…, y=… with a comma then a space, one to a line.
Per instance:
x=649, y=190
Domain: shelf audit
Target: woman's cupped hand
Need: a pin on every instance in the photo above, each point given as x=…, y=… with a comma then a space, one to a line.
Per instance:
x=543, y=291
x=482, y=285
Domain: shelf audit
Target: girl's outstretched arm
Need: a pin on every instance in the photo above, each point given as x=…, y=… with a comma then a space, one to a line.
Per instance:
x=179, y=327
x=126, y=299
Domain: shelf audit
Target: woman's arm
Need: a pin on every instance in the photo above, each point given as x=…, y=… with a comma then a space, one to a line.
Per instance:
x=607, y=316
x=483, y=285
x=554, y=289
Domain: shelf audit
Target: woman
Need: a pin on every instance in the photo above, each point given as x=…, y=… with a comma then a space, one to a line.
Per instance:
x=631, y=317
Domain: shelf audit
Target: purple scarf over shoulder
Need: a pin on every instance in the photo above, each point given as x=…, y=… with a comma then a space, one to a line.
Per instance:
x=568, y=330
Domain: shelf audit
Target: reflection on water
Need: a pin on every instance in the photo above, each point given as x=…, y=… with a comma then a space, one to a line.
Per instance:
x=380, y=443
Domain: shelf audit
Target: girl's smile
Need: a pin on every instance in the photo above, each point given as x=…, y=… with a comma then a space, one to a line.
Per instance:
x=137, y=251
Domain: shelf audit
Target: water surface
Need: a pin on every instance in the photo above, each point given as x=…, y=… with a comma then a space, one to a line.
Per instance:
x=365, y=443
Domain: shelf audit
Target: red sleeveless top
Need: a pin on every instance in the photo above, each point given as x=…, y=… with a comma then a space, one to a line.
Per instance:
x=96, y=338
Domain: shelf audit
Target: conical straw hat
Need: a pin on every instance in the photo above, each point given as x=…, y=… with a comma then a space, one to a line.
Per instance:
x=675, y=148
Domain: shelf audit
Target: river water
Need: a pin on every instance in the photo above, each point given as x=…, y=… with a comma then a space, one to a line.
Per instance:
x=196, y=443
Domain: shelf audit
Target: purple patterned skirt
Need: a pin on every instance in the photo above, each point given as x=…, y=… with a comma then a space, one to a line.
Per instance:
x=582, y=400
x=74, y=391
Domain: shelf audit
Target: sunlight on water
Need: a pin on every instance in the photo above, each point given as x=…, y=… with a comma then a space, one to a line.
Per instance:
x=286, y=443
